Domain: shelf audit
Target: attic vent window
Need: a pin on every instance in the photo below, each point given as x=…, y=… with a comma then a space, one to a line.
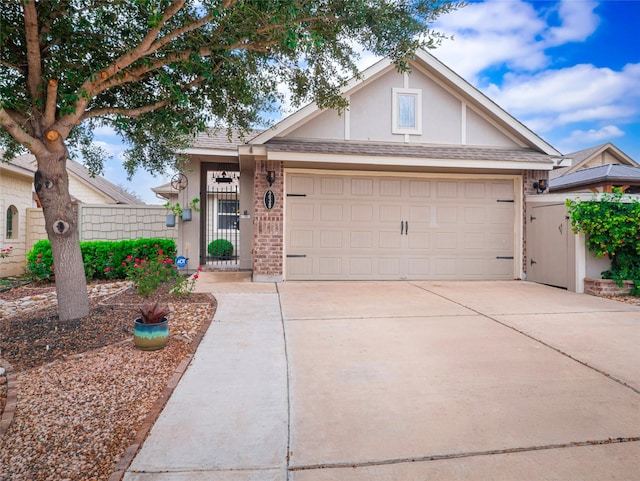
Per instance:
x=407, y=111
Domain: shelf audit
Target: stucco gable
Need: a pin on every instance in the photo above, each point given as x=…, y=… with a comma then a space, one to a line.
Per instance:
x=454, y=113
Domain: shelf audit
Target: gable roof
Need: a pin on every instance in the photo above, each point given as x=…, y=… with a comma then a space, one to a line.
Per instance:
x=424, y=61
x=582, y=158
x=26, y=163
x=611, y=174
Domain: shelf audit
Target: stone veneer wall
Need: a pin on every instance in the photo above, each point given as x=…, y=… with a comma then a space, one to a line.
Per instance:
x=98, y=222
x=268, y=225
x=118, y=222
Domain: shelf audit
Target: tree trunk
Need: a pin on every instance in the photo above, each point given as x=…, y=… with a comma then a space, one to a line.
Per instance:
x=51, y=182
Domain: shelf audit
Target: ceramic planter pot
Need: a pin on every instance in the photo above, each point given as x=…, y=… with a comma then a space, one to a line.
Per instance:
x=150, y=337
x=186, y=214
x=170, y=220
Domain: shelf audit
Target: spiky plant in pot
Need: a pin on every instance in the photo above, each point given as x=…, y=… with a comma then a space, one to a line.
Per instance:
x=153, y=313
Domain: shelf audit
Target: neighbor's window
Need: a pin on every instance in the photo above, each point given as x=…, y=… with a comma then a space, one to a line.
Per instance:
x=228, y=214
x=407, y=111
x=12, y=222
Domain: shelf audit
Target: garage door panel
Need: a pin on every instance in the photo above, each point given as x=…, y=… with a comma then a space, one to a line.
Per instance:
x=395, y=228
x=390, y=188
x=331, y=186
x=362, y=213
x=419, y=240
x=475, y=215
x=361, y=266
x=302, y=212
x=446, y=190
x=390, y=267
x=330, y=266
x=419, y=189
x=331, y=239
x=301, y=238
x=446, y=240
x=445, y=266
x=362, y=187
x=300, y=267
x=390, y=213
x=361, y=240
x=390, y=240
x=446, y=215
x=418, y=267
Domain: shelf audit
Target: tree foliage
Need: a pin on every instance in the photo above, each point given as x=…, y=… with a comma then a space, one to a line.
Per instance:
x=611, y=225
x=157, y=71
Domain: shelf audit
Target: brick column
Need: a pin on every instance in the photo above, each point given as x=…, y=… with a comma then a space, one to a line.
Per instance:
x=268, y=225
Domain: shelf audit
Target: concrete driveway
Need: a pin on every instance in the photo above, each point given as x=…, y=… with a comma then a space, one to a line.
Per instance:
x=319, y=381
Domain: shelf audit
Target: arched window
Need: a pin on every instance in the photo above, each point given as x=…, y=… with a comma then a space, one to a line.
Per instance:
x=12, y=222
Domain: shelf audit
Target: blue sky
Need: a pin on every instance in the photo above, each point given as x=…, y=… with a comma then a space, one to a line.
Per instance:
x=569, y=70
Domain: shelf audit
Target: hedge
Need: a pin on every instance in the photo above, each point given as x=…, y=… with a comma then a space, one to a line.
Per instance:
x=102, y=259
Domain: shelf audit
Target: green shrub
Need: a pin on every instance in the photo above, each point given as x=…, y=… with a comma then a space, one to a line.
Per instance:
x=220, y=248
x=40, y=262
x=102, y=259
x=611, y=225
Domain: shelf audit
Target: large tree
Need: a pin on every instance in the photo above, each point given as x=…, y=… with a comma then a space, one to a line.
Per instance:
x=157, y=71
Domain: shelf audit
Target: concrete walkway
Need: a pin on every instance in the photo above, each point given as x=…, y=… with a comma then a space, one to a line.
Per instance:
x=355, y=381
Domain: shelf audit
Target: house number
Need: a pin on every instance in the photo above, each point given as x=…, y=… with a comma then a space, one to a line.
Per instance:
x=269, y=199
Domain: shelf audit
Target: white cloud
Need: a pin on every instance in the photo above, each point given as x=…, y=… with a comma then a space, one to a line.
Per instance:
x=580, y=93
x=578, y=22
x=594, y=136
x=498, y=33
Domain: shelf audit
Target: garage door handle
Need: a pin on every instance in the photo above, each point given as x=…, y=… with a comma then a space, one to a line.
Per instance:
x=406, y=227
x=401, y=227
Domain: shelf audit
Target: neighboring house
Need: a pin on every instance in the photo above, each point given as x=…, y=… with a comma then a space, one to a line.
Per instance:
x=598, y=169
x=22, y=224
x=422, y=177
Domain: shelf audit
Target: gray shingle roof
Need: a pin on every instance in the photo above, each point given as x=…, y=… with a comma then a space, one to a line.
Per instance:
x=219, y=139
x=603, y=174
x=404, y=150
x=119, y=196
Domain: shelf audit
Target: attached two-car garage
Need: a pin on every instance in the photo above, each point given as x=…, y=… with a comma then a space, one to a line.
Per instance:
x=375, y=226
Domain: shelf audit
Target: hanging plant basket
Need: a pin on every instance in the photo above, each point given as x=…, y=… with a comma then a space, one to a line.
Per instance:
x=186, y=214
x=170, y=220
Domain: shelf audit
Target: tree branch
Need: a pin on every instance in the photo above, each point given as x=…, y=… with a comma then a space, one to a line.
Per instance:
x=33, y=47
x=138, y=111
x=11, y=66
x=90, y=88
x=19, y=134
x=50, y=109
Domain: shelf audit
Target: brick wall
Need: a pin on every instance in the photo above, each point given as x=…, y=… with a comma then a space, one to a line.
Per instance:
x=606, y=287
x=268, y=225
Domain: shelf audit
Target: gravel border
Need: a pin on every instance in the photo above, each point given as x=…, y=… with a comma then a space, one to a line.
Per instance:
x=111, y=413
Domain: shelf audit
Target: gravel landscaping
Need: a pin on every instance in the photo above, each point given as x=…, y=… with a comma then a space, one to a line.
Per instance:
x=79, y=393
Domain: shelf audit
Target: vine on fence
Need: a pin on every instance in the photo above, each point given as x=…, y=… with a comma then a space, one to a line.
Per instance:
x=611, y=225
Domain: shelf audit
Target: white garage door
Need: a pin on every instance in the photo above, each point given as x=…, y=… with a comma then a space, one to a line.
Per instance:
x=384, y=227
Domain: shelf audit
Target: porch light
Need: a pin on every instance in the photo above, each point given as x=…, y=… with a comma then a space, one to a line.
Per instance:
x=271, y=177
x=540, y=185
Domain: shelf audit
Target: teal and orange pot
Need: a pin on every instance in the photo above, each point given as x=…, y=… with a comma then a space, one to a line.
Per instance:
x=150, y=337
